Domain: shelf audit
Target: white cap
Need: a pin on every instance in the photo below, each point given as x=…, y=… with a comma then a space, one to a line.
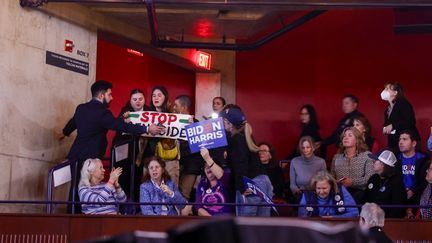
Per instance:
x=386, y=156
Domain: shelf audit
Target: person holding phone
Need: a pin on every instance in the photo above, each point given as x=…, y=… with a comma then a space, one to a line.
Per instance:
x=157, y=187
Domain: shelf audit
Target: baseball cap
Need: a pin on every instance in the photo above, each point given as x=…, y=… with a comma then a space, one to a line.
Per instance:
x=233, y=115
x=385, y=156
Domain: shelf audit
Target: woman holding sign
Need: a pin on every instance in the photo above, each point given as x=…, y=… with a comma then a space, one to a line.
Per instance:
x=157, y=187
x=251, y=183
x=136, y=103
x=213, y=188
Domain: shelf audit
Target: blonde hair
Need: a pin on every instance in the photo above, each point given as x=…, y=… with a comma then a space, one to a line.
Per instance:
x=88, y=167
x=323, y=175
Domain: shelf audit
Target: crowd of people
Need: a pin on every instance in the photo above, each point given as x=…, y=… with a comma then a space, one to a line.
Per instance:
x=169, y=177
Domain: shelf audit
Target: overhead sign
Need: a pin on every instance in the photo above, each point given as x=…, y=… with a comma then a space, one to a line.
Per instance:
x=174, y=123
x=203, y=59
x=209, y=134
x=67, y=63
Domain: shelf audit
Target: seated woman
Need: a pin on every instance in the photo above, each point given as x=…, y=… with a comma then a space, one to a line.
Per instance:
x=274, y=172
x=92, y=190
x=157, y=187
x=426, y=197
x=362, y=124
x=303, y=167
x=386, y=187
x=351, y=165
x=213, y=188
x=325, y=191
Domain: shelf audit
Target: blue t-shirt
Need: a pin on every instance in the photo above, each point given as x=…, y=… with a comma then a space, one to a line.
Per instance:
x=408, y=169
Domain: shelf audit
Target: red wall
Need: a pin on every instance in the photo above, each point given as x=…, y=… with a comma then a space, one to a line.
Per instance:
x=127, y=71
x=338, y=52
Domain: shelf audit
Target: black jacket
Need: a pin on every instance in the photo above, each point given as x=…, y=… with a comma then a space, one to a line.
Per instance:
x=346, y=121
x=388, y=191
x=242, y=161
x=92, y=121
x=402, y=117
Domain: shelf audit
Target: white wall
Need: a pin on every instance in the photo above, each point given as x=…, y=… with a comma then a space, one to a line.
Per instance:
x=36, y=99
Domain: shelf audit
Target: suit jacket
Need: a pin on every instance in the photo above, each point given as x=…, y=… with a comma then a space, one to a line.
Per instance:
x=92, y=121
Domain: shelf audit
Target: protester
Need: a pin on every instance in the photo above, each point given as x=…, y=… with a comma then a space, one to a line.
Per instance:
x=92, y=120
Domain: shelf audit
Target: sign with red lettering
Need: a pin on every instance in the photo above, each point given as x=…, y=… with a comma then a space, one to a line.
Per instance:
x=174, y=123
x=203, y=59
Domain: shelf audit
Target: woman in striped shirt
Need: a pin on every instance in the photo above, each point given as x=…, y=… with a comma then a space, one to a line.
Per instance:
x=91, y=189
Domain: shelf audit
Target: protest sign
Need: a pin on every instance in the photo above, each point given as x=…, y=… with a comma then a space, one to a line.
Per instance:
x=209, y=134
x=174, y=123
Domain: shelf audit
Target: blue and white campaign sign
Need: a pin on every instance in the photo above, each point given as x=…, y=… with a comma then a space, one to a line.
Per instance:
x=256, y=190
x=209, y=134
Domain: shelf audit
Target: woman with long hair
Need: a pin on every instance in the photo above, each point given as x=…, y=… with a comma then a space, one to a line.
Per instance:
x=303, y=167
x=243, y=160
x=362, y=124
x=309, y=127
x=351, y=166
x=398, y=116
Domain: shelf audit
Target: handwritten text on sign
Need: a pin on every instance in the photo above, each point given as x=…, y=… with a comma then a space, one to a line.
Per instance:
x=208, y=133
x=174, y=123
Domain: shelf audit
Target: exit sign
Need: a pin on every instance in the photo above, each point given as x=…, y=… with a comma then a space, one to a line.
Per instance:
x=203, y=59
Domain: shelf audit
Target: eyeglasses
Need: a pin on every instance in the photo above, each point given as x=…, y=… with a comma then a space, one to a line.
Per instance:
x=263, y=151
x=304, y=113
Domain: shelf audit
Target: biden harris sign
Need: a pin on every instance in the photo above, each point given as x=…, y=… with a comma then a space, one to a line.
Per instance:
x=209, y=134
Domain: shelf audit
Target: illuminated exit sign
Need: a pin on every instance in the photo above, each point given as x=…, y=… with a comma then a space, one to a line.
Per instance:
x=203, y=59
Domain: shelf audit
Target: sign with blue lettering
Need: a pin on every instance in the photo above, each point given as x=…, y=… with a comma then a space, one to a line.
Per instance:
x=209, y=134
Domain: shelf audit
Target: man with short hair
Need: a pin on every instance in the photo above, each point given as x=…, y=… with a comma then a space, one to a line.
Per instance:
x=92, y=121
x=372, y=218
x=349, y=107
x=414, y=165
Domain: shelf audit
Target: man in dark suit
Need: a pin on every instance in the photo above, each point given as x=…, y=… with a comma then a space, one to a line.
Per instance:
x=92, y=121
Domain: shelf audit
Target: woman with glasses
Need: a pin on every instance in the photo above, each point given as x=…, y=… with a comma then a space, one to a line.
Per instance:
x=273, y=171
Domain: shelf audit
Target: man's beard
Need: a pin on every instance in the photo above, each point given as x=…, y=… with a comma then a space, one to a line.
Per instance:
x=105, y=103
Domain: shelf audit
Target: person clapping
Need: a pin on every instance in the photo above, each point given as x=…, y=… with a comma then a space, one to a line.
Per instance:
x=91, y=188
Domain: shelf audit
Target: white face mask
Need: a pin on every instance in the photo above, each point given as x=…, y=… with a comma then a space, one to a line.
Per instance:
x=385, y=95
